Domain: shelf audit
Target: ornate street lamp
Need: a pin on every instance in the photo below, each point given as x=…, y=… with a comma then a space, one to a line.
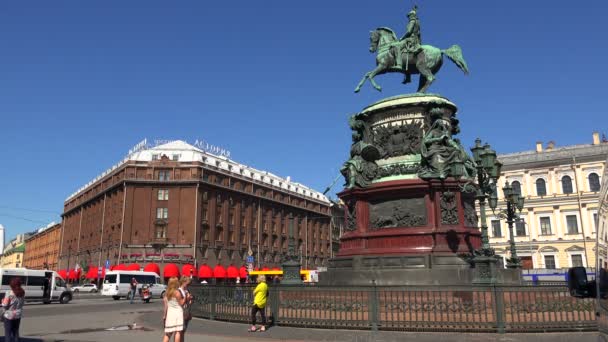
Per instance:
x=515, y=204
x=488, y=172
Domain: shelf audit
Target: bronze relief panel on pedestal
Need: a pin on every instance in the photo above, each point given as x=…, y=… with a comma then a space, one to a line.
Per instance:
x=406, y=212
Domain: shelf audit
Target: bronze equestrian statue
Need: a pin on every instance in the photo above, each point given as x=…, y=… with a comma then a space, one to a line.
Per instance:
x=408, y=56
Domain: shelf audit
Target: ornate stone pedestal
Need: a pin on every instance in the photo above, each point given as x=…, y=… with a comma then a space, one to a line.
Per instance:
x=408, y=220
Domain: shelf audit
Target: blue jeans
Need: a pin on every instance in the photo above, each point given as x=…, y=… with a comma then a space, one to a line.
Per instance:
x=11, y=329
x=132, y=295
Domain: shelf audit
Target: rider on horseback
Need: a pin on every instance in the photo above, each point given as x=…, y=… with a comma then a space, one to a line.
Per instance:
x=410, y=42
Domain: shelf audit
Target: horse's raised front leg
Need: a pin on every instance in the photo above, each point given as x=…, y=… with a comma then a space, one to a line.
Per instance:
x=375, y=72
x=362, y=82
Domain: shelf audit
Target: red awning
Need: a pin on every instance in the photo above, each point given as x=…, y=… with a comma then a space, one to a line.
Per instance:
x=243, y=272
x=276, y=268
x=63, y=274
x=120, y=267
x=74, y=274
x=205, y=271
x=170, y=270
x=265, y=269
x=232, y=272
x=219, y=272
x=92, y=273
x=189, y=270
x=152, y=267
x=133, y=267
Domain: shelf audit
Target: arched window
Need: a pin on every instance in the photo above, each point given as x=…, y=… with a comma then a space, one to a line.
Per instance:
x=594, y=182
x=516, y=187
x=567, y=185
x=541, y=187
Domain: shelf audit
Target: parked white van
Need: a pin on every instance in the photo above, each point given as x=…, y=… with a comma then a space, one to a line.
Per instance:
x=34, y=282
x=118, y=283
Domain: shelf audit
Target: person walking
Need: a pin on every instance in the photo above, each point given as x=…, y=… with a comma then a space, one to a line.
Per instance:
x=13, y=306
x=173, y=317
x=260, y=296
x=133, y=288
x=184, y=282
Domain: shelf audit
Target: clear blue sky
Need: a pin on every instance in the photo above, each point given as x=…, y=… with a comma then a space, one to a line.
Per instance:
x=272, y=80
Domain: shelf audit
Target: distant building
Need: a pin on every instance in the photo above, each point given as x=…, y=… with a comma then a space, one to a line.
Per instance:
x=176, y=203
x=561, y=186
x=13, y=252
x=42, y=248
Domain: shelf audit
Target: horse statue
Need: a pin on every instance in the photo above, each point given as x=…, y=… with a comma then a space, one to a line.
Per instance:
x=426, y=61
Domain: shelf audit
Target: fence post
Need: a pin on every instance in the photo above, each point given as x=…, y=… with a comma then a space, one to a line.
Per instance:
x=274, y=304
x=499, y=308
x=212, y=299
x=373, y=306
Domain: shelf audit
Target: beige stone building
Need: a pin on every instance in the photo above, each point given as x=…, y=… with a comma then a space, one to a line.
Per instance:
x=561, y=186
x=13, y=252
x=602, y=236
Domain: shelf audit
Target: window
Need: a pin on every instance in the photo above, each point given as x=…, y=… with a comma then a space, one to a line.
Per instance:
x=163, y=194
x=577, y=260
x=175, y=157
x=550, y=262
x=496, y=232
x=162, y=213
x=520, y=228
x=567, y=185
x=516, y=187
x=35, y=281
x=161, y=232
x=595, y=220
x=572, y=224
x=163, y=175
x=594, y=182
x=155, y=157
x=541, y=187
x=545, y=226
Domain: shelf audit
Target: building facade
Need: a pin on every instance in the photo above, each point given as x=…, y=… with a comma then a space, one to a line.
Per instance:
x=560, y=219
x=13, y=252
x=175, y=203
x=42, y=248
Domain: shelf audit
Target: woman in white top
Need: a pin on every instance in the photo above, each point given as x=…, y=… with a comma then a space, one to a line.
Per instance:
x=174, y=312
x=13, y=307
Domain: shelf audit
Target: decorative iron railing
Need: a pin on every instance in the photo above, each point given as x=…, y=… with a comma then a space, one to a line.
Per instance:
x=499, y=309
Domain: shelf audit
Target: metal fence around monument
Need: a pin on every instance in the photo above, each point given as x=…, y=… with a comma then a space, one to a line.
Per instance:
x=541, y=308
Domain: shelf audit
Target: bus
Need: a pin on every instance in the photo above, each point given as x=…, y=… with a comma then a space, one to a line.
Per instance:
x=117, y=284
x=34, y=283
x=308, y=276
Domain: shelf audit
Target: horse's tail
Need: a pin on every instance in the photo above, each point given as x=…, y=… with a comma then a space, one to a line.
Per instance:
x=454, y=53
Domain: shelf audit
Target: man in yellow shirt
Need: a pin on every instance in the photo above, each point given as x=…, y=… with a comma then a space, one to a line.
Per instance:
x=260, y=295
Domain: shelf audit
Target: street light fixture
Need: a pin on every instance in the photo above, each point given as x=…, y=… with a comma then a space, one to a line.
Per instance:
x=515, y=204
x=488, y=172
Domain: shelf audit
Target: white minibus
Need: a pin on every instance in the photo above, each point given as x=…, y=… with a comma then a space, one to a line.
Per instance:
x=118, y=283
x=34, y=283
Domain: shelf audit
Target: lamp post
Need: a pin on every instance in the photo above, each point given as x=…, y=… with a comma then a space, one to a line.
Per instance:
x=488, y=172
x=487, y=168
x=515, y=204
x=291, y=265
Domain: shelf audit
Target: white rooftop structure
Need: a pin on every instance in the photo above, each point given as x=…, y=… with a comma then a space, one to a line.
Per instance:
x=184, y=152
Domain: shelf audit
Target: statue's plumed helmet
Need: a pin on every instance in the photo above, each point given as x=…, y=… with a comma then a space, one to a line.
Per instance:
x=412, y=13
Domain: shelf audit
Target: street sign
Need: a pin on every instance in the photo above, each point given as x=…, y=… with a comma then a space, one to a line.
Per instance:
x=249, y=267
x=107, y=264
x=249, y=259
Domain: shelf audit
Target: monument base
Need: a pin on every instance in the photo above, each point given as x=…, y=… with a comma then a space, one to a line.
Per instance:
x=408, y=270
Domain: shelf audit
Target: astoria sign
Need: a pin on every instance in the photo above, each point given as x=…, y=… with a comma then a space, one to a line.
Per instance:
x=200, y=144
